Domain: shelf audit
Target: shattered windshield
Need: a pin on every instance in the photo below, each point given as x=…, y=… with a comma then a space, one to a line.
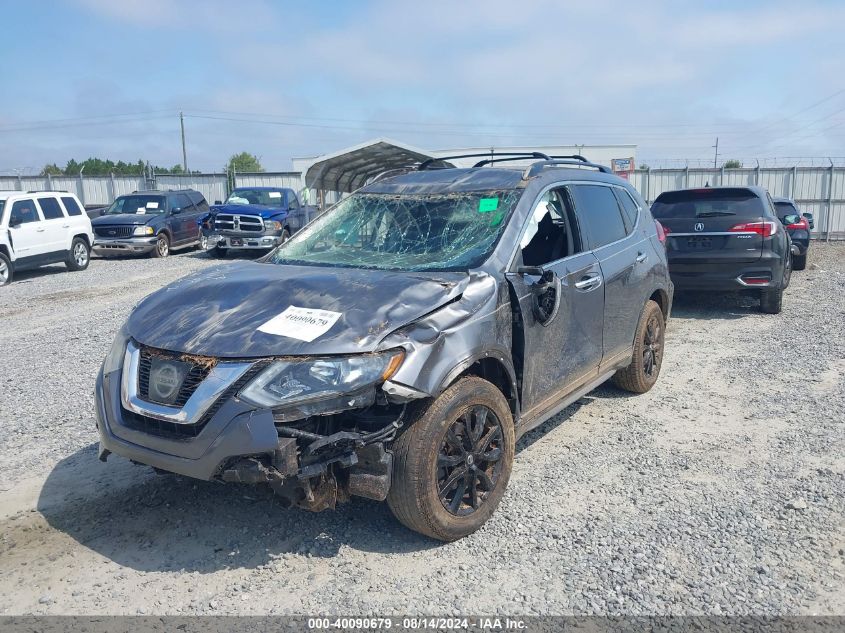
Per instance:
x=256, y=196
x=413, y=232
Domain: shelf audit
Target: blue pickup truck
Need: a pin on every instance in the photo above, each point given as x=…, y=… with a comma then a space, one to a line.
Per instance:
x=254, y=218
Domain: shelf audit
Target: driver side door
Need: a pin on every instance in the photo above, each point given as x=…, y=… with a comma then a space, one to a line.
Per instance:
x=561, y=312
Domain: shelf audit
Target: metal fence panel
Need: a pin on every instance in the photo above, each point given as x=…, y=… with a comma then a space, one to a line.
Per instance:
x=212, y=186
x=289, y=179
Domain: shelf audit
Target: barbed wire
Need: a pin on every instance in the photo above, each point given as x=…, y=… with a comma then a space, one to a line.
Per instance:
x=745, y=162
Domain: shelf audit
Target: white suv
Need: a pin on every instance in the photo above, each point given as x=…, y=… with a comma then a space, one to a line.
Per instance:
x=42, y=227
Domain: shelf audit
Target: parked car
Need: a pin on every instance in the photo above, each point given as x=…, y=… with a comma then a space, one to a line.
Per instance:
x=724, y=239
x=150, y=223
x=399, y=345
x=42, y=227
x=254, y=218
x=798, y=225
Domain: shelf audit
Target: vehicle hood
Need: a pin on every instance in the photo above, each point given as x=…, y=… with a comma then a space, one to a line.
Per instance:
x=249, y=209
x=217, y=312
x=124, y=218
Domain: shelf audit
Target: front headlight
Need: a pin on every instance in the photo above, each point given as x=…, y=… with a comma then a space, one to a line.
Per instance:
x=143, y=230
x=114, y=359
x=287, y=382
x=272, y=225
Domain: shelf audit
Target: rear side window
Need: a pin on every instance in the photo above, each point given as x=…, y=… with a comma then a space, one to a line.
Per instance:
x=200, y=202
x=708, y=203
x=293, y=203
x=598, y=211
x=50, y=208
x=23, y=212
x=72, y=206
x=180, y=201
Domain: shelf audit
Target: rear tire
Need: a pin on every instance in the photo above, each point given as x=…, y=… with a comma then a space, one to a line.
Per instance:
x=6, y=272
x=219, y=252
x=162, y=247
x=799, y=262
x=79, y=255
x=771, y=301
x=642, y=373
x=462, y=445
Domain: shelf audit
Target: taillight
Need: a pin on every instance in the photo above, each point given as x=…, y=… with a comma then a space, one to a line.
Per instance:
x=661, y=232
x=765, y=228
x=801, y=224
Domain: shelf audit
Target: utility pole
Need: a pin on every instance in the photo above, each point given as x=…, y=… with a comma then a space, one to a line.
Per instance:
x=184, y=153
x=715, y=158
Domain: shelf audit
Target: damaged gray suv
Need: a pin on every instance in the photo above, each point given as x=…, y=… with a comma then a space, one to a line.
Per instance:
x=398, y=346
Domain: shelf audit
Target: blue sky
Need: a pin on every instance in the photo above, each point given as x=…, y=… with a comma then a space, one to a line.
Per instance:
x=107, y=78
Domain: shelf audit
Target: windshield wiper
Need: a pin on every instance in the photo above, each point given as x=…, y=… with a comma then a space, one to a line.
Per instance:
x=712, y=214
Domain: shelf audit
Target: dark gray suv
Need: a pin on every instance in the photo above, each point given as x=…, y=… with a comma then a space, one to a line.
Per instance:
x=399, y=345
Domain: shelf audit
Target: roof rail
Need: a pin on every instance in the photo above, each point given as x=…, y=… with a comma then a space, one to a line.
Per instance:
x=47, y=191
x=575, y=159
x=489, y=156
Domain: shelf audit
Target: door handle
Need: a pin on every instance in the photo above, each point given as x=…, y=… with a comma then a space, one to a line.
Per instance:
x=65, y=226
x=641, y=257
x=588, y=282
x=39, y=230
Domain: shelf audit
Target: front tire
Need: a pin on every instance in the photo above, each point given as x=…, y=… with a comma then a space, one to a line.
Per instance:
x=799, y=262
x=219, y=252
x=642, y=373
x=452, y=465
x=79, y=255
x=6, y=272
x=162, y=247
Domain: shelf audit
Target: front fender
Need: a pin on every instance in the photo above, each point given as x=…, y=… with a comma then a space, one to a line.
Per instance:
x=443, y=344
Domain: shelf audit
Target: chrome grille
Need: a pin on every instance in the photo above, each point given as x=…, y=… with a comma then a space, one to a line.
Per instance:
x=162, y=428
x=246, y=223
x=196, y=375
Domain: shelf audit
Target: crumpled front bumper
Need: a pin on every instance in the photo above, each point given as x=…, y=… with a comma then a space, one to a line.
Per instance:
x=243, y=241
x=233, y=431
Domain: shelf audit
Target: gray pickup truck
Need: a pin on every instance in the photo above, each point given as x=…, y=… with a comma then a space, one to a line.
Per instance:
x=255, y=218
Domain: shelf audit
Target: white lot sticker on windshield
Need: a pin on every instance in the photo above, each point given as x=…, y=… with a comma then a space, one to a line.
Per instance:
x=140, y=210
x=274, y=194
x=304, y=324
x=152, y=205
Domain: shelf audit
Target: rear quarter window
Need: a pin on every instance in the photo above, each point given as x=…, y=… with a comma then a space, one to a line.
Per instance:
x=71, y=206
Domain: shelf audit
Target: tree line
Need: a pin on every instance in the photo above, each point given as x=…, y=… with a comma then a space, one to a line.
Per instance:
x=241, y=162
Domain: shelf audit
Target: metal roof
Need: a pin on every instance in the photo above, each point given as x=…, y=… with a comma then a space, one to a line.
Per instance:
x=349, y=169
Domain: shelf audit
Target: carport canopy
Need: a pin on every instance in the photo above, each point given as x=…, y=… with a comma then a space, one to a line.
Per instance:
x=351, y=168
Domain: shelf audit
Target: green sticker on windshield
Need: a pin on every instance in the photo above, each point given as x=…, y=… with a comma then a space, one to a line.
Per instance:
x=485, y=205
x=497, y=219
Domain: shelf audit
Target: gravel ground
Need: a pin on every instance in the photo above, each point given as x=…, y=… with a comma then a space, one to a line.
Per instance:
x=720, y=491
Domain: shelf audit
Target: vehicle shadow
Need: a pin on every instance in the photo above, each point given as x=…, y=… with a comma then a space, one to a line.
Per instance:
x=720, y=305
x=550, y=425
x=154, y=522
x=35, y=273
